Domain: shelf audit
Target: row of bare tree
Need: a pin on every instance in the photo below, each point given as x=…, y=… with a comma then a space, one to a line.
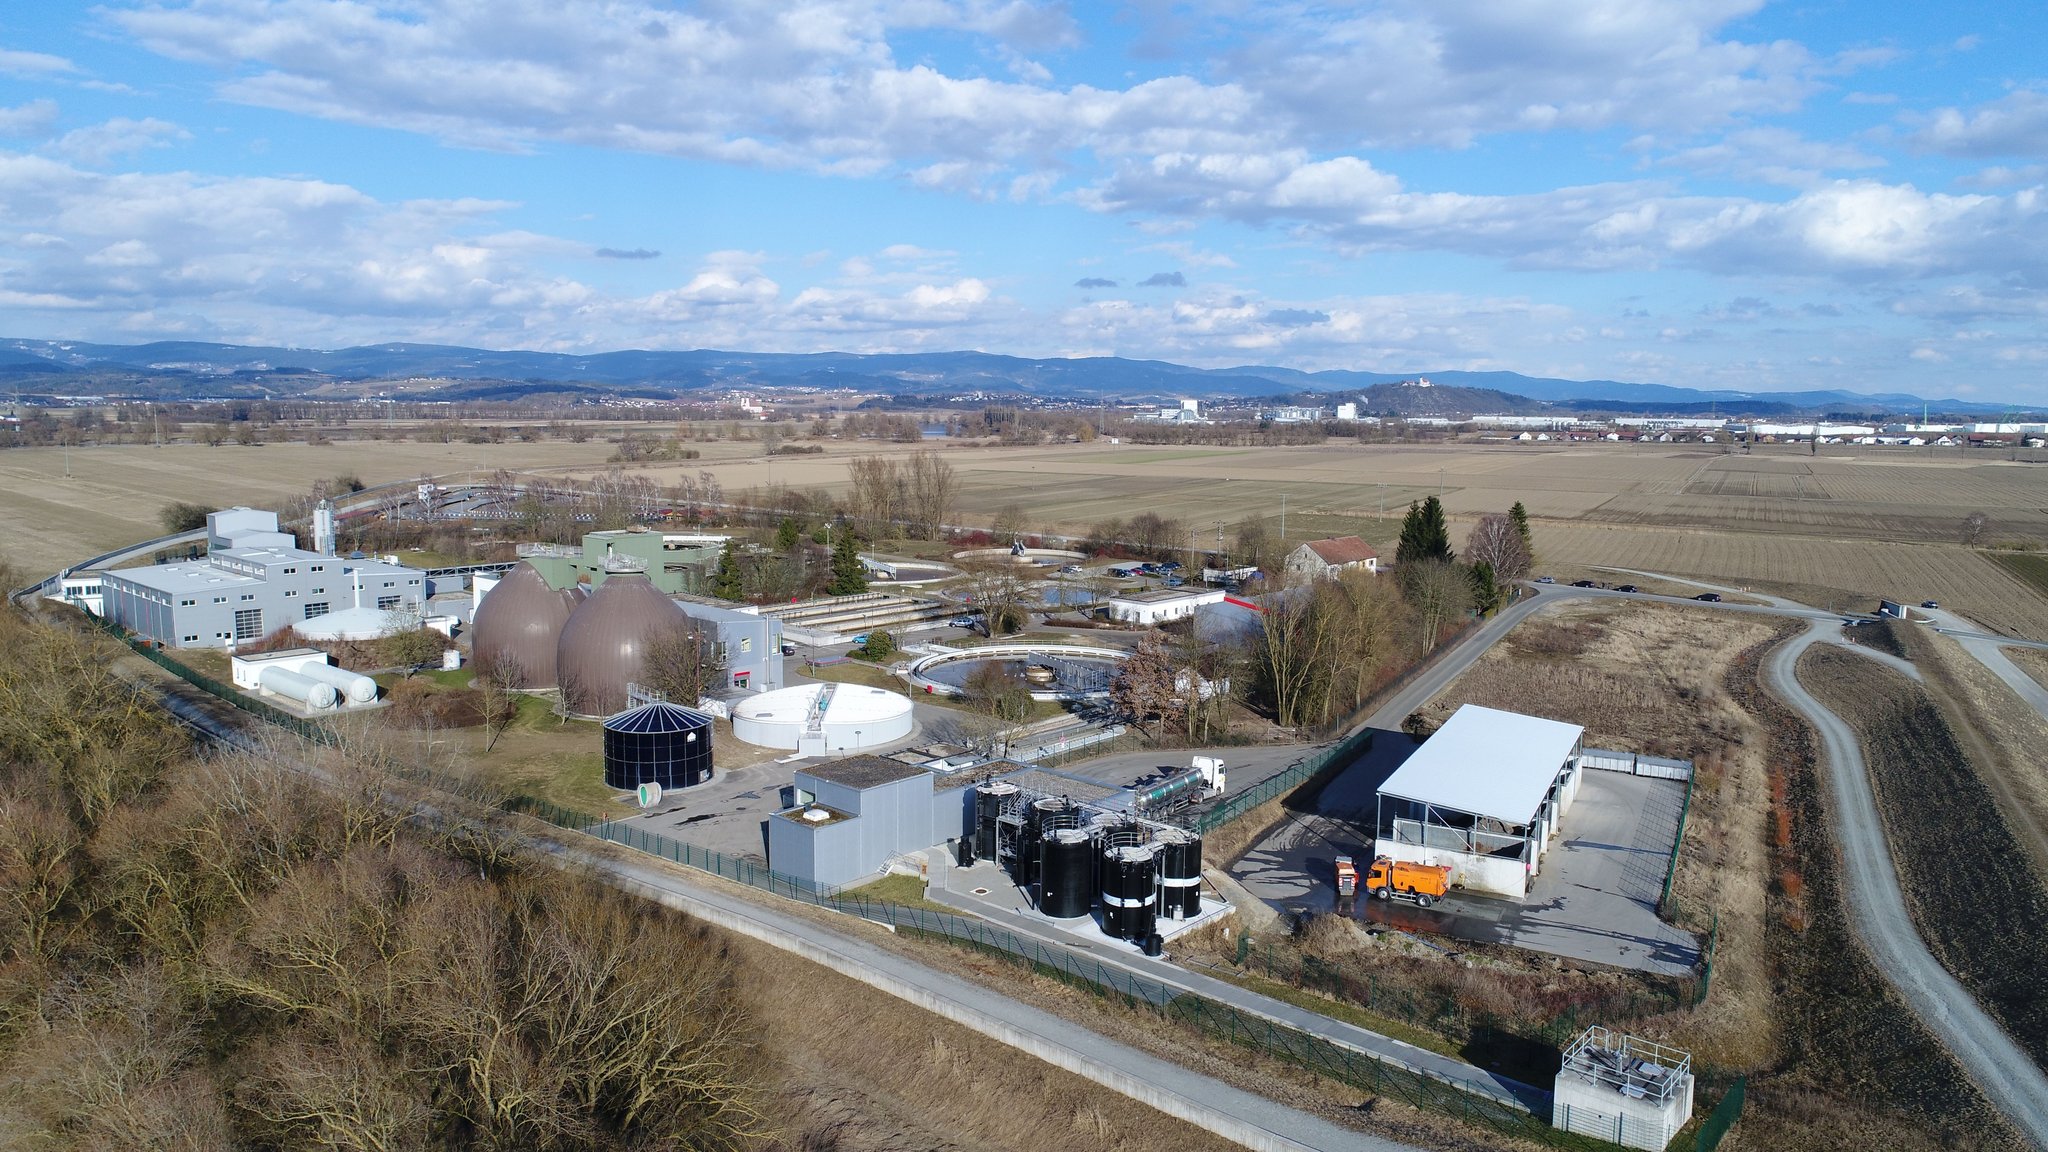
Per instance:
x=204, y=953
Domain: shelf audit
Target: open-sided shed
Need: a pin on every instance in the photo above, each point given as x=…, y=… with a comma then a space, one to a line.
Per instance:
x=1483, y=795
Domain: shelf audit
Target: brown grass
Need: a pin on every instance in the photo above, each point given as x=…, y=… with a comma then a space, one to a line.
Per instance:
x=2002, y=733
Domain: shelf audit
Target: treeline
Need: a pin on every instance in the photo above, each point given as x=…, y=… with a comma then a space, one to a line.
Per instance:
x=211, y=952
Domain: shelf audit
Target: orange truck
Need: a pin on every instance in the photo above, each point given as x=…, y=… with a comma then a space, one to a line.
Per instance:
x=1347, y=877
x=1423, y=883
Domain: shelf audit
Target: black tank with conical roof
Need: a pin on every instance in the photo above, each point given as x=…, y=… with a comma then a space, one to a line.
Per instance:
x=520, y=621
x=604, y=644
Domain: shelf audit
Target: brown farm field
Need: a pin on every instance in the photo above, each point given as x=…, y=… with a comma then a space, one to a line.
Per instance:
x=1836, y=530
x=114, y=492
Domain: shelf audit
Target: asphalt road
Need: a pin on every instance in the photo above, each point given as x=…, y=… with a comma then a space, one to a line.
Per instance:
x=1878, y=912
x=1989, y=651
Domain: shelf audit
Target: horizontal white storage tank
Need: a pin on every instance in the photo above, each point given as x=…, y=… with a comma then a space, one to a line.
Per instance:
x=314, y=694
x=358, y=688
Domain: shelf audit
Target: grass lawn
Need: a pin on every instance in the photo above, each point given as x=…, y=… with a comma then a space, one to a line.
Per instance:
x=905, y=890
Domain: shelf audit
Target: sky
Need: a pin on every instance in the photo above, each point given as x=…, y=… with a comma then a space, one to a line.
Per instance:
x=1712, y=193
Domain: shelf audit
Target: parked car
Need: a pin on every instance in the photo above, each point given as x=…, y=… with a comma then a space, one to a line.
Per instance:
x=1584, y=584
x=1070, y=569
x=1709, y=597
x=1930, y=603
x=1174, y=581
x=1628, y=588
x=1546, y=579
x=960, y=622
x=1170, y=566
x=860, y=641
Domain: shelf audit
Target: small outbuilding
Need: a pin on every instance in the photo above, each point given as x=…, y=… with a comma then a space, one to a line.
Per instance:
x=850, y=818
x=1483, y=795
x=1161, y=605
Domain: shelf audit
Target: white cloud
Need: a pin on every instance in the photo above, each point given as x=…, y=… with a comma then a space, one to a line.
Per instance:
x=31, y=119
x=2015, y=124
x=33, y=65
x=118, y=137
x=1772, y=155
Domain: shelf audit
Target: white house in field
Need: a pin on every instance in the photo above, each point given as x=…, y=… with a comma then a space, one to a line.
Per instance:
x=1328, y=559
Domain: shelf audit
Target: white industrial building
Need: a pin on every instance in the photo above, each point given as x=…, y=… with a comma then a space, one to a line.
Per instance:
x=1623, y=1089
x=1161, y=605
x=1484, y=795
x=303, y=677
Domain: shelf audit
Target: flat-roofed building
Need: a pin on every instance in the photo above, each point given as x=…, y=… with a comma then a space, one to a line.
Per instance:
x=1483, y=795
x=252, y=582
x=1161, y=605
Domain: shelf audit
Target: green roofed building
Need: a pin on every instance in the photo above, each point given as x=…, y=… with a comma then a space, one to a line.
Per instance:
x=678, y=563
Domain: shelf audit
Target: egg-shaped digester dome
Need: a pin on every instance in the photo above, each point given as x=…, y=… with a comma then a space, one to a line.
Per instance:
x=657, y=744
x=521, y=621
x=604, y=644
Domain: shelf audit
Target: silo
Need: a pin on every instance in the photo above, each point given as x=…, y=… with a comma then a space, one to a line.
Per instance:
x=1069, y=868
x=657, y=744
x=1180, y=873
x=1130, y=891
x=520, y=622
x=604, y=644
x=988, y=813
x=316, y=695
x=1042, y=818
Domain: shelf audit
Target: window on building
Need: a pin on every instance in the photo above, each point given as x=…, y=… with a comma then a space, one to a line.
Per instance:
x=319, y=591
x=391, y=583
x=746, y=643
x=248, y=623
x=220, y=599
x=317, y=568
x=291, y=571
x=248, y=595
x=316, y=608
x=291, y=593
x=187, y=603
x=387, y=603
x=194, y=639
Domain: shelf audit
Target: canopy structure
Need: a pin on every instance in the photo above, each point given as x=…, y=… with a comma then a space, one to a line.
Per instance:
x=1483, y=796
x=1489, y=763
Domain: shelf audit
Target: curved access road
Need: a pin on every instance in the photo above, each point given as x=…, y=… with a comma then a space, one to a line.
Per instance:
x=1877, y=910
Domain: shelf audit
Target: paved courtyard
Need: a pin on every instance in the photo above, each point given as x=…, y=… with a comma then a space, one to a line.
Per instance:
x=1595, y=897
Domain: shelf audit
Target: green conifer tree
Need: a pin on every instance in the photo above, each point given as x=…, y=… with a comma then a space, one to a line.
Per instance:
x=726, y=583
x=848, y=578
x=1520, y=516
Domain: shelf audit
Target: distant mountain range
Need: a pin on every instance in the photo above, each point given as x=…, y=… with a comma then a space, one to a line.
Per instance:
x=180, y=369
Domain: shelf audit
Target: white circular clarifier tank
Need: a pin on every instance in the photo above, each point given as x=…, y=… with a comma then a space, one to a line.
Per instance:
x=823, y=718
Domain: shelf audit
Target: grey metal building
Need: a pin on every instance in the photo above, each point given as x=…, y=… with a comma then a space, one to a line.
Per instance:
x=253, y=581
x=750, y=642
x=852, y=816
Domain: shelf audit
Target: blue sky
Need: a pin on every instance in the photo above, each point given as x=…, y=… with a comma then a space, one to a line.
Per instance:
x=1717, y=193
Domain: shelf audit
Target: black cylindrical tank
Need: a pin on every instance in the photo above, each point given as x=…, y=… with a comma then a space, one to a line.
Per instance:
x=1180, y=873
x=657, y=744
x=988, y=809
x=1064, y=890
x=1041, y=818
x=1130, y=891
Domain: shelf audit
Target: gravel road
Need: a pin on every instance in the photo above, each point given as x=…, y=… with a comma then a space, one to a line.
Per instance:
x=1878, y=912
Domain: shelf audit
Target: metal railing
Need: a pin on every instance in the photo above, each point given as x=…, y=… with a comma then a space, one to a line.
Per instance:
x=1307, y=768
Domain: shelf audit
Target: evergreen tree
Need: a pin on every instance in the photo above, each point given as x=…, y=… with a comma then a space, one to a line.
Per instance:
x=1424, y=534
x=726, y=583
x=1520, y=516
x=1410, y=548
x=1488, y=593
x=787, y=535
x=848, y=578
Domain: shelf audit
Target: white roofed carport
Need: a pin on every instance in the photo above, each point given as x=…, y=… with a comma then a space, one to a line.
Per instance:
x=1487, y=762
x=1484, y=795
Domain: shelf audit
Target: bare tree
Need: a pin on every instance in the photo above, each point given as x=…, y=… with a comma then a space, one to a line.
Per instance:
x=999, y=591
x=1973, y=527
x=1294, y=655
x=1439, y=590
x=1144, y=687
x=682, y=663
x=934, y=485
x=498, y=677
x=876, y=494
x=1497, y=541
